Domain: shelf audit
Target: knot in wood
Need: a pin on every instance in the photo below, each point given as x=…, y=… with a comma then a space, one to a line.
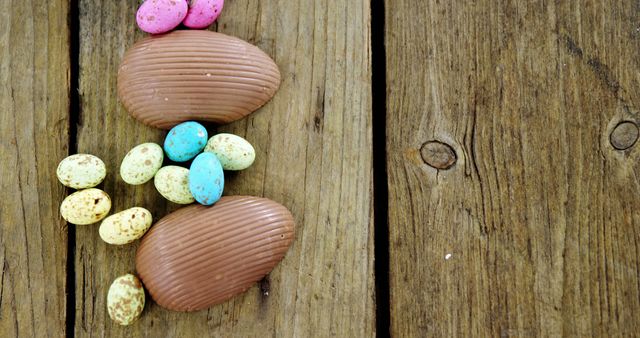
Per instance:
x=624, y=135
x=438, y=155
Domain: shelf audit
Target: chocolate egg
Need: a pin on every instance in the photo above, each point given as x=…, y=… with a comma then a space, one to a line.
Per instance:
x=195, y=75
x=199, y=256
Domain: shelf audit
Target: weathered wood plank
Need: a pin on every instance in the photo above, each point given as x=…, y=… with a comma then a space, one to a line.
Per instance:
x=538, y=214
x=34, y=123
x=313, y=143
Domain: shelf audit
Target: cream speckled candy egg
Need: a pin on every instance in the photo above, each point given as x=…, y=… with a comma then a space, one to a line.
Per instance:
x=234, y=152
x=141, y=163
x=81, y=171
x=172, y=182
x=85, y=206
x=125, y=226
x=125, y=299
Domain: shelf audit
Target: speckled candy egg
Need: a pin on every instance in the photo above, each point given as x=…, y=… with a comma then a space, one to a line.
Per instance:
x=141, y=163
x=202, y=13
x=161, y=16
x=81, y=171
x=172, y=182
x=125, y=300
x=85, y=206
x=185, y=141
x=234, y=152
x=206, y=179
x=125, y=226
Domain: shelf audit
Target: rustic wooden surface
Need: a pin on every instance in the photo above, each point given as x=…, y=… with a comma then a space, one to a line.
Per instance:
x=528, y=228
x=34, y=122
x=539, y=213
x=313, y=143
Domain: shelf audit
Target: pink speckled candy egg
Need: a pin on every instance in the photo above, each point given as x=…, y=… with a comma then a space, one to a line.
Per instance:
x=203, y=13
x=161, y=16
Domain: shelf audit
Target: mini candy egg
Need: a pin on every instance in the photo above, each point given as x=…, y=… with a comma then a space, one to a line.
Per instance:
x=85, y=206
x=125, y=299
x=202, y=13
x=81, y=171
x=172, y=182
x=185, y=141
x=125, y=226
x=161, y=16
x=141, y=163
x=234, y=152
x=206, y=179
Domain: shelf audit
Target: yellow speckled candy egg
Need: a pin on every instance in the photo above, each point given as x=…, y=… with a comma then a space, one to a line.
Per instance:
x=234, y=152
x=141, y=163
x=125, y=226
x=172, y=182
x=85, y=206
x=125, y=299
x=81, y=171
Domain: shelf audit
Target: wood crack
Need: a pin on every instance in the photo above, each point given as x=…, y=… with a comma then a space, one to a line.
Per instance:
x=22, y=188
x=4, y=267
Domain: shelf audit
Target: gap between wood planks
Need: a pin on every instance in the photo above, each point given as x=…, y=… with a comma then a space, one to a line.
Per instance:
x=380, y=202
x=380, y=180
x=74, y=118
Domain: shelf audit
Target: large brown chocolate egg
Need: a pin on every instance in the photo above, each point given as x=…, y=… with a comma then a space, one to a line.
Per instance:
x=199, y=256
x=195, y=75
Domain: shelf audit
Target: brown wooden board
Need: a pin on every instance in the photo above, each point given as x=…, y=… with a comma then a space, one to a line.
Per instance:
x=539, y=213
x=313, y=143
x=34, y=126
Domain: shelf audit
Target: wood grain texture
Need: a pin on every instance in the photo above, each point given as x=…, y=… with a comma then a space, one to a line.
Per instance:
x=313, y=144
x=34, y=124
x=539, y=213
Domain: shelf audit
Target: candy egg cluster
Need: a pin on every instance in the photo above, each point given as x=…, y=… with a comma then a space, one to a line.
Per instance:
x=203, y=181
x=91, y=205
x=161, y=16
x=206, y=253
x=125, y=300
x=87, y=205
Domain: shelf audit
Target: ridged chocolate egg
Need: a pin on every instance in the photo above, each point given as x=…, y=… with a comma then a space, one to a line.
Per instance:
x=199, y=256
x=195, y=75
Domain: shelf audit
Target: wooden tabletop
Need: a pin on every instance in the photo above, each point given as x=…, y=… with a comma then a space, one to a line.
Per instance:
x=455, y=168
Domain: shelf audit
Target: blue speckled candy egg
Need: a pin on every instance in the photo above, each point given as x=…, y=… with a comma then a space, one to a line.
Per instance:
x=206, y=179
x=185, y=141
